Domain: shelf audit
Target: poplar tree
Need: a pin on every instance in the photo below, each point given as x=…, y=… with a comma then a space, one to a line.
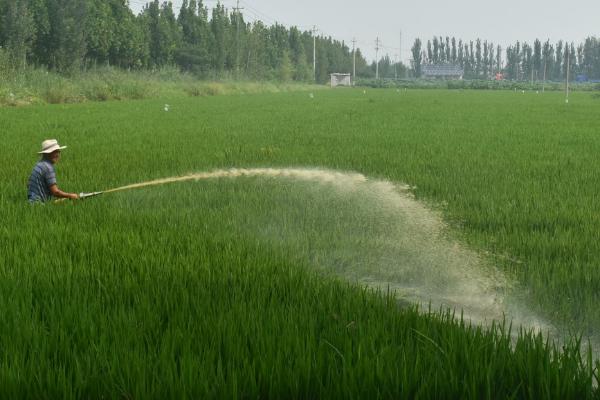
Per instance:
x=17, y=30
x=537, y=58
x=453, y=54
x=499, y=59
x=478, y=60
x=220, y=31
x=485, y=60
x=416, y=57
x=100, y=29
x=429, y=52
x=66, y=41
x=548, y=60
x=558, y=62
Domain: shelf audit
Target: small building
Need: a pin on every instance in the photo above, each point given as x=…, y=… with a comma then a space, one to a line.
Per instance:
x=442, y=71
x=341, y=80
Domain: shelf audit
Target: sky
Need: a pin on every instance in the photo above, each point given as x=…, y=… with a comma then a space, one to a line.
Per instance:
x=501, y=22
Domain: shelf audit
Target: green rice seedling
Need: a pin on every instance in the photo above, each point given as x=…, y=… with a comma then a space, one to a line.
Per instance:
x=258, y=286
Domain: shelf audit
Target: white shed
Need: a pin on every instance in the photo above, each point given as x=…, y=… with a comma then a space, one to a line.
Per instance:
x=341, y=80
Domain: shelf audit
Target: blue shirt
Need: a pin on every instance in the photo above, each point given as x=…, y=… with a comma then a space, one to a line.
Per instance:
x=42, y=177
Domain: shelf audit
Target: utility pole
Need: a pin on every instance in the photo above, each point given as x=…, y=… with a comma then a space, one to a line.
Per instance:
x=396, y=66
x=544, y=84
x=237, y=40
x=353, y=61
x=400, y=48
x=314, y=31
x=568, y=71
x=377, y=58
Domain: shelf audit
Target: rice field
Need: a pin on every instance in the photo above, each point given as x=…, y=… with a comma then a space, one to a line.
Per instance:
x=370, y=271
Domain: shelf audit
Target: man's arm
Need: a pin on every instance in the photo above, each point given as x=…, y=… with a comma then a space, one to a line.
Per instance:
x=56, y=192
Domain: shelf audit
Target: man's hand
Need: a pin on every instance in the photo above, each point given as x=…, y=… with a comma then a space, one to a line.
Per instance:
x=56, y=192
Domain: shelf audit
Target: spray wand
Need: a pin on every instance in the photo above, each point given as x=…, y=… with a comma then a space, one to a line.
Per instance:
x=83, y=196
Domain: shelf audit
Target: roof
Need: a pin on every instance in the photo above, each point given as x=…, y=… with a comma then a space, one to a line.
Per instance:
x=443, y=70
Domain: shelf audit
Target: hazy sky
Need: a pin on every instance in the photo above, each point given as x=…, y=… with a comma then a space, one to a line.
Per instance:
x=502, y=22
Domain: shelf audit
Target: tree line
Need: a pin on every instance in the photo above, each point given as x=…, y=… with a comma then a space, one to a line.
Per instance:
x=68, y=35
x=520, y=61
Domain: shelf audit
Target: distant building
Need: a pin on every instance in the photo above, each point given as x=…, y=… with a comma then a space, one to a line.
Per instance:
x=442, y=71
x=341, y=80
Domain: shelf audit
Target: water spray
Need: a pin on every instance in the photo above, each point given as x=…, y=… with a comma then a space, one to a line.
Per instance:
x=414, y=258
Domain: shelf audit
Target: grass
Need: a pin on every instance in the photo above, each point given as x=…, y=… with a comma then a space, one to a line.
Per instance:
x=184, y=290
x=39, y=86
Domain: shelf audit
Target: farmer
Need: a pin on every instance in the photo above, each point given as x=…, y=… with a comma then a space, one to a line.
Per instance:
x=42, y=182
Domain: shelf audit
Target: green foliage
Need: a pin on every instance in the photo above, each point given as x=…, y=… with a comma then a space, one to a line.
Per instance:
x=187, y=291
x=417, y=58
x=17, y=30
x=33, y=86
x=286, y=71
x=72, y=35
x=478, y=84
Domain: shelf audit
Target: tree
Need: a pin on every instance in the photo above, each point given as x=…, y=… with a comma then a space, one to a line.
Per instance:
x=499, y=58
x=537, y=58
x=322, y=62
x=570, y=60
x=478, y=59
x=66, y=41
x=416, y=57
x=302, y=70
x=491, y=59
x=591, y=57
x=429, y=52
x=286, y=69
x=100, y=29
x=472, y=63
x=130, y=47
x=527, y=61
x=453, y=55
x=547, y=60
x=194, y=52
x=485, y=63
x=220, y=31
x=41, y=20
x=466, y=60
x=17, y=30
x=558, y=63
x=436, y=51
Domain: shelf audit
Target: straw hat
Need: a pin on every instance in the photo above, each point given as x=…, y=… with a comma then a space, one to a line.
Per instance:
x=49, y=146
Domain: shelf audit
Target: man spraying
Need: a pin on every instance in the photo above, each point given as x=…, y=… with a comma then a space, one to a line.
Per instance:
x=42, y=185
